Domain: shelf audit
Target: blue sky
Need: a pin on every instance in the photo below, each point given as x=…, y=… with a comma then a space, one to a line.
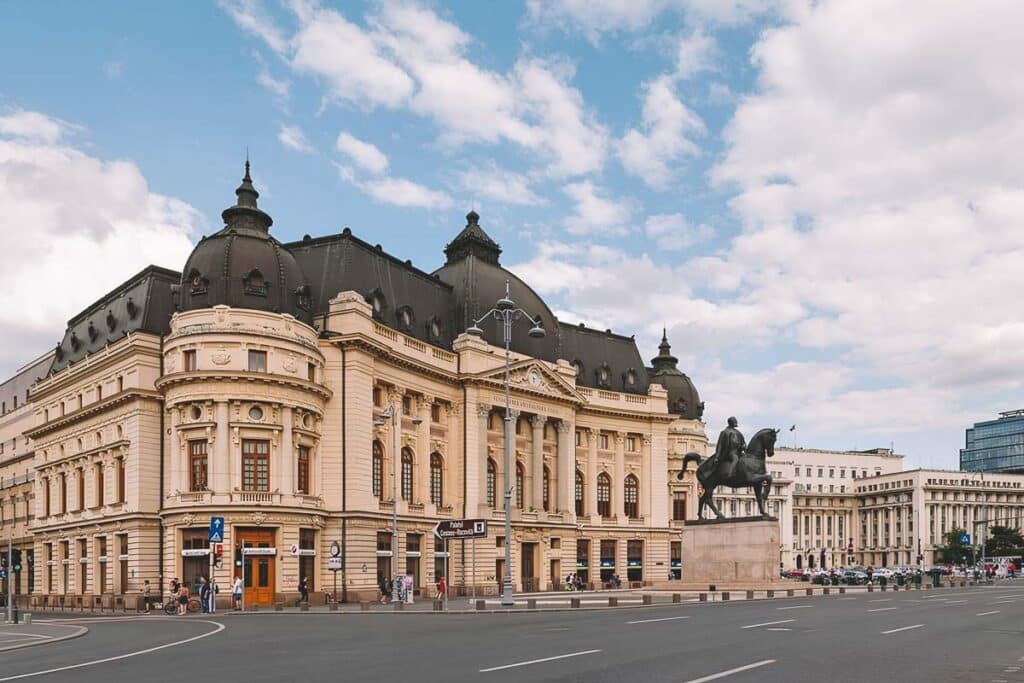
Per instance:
x=819, y=201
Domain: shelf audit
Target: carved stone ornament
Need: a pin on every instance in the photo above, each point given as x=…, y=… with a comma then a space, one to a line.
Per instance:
x=317, y=521
x=188, y=519
x=171, y=362
x=483, y=410
x=220, y=356
x=289, y=363
x=258, y=518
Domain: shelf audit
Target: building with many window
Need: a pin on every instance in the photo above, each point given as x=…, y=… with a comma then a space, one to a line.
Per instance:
x=250, y=386
x=995, y=445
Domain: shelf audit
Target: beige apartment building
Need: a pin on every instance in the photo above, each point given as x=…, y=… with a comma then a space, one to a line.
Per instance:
x=251, y=385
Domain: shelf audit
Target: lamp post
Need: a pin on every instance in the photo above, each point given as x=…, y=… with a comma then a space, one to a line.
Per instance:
x=394, y=411
x=506, y=312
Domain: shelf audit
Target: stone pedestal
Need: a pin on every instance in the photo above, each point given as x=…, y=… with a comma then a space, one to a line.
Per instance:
x=732, y=551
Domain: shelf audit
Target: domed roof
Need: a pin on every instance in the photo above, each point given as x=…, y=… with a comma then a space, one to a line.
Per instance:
x=243, y=266
x=478, y=281
x=683, y=399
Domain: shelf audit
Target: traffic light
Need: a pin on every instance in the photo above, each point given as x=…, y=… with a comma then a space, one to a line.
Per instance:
x=3, y=560
x=238, y=557
x=218, y=554
x=17, y=560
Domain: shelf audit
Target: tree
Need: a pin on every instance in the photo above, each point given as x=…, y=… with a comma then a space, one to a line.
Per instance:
x=954, y=551
x=1004, y=541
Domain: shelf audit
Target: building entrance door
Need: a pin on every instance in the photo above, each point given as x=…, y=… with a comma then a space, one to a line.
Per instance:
x=259, y=569
x=528, y=568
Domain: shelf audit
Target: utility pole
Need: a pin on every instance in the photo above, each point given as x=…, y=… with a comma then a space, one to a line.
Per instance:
x=10, y=578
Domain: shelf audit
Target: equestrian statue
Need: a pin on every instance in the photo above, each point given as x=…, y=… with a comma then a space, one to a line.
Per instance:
x=736, y=464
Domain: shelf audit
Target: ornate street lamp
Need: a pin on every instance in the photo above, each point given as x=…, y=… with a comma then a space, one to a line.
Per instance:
x=394, y=411
x=506, y=312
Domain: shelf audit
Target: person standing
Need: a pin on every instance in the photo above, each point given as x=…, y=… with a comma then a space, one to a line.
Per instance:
x=214, y=589
x=183, y=596
x=442, y=589
x=236, y=593
x=147, y=596
x=304, y=590
x=204, y=594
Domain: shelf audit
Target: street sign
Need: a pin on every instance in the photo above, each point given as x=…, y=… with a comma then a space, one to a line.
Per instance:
x=258, y=551
x=216, y=530
x=335, y=549
x=965, y=539
x=461, y=528
x=295, y=549
x=334, y=564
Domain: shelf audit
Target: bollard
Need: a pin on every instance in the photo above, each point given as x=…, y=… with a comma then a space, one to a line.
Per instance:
x=871, y=588
x=646, y=600
x=573, y=602
x=725, y=596
x=884, y=587
x=703, y=597
x=826, y=591
x=613, y=602
x=531, y=603
x=26, y=618
x=750, y=595
x=789, y=592
x=842, y=590
x=769, y=594
x=810, y=591
x=677, y=598
x=481, y=605
x=917, y=585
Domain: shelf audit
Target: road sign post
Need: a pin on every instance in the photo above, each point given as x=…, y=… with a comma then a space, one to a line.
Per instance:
x=460, y=530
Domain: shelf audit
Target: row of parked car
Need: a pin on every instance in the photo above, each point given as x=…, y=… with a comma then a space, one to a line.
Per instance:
x=855, y=576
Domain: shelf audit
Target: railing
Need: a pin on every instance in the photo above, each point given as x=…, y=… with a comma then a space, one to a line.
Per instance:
x=414, y=344
x=608, y=395
x=385, y=332
x=635, y=398
x=441, y=354
x=254, y=496
x=385, y=505
x=193, y=496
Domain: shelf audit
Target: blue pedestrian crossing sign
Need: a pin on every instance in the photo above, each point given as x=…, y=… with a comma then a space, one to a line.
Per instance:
x=216, y=529
x=965, y=539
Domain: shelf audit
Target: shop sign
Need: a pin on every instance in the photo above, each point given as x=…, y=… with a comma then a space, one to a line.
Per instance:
x=195, y=552
x=257, y=551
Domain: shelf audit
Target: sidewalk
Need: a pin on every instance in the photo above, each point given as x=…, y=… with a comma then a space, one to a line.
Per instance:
x=16, y=636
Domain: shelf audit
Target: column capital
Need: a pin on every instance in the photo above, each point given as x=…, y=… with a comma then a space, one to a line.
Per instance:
x=483, y=409
x=563, y=426
x=538, y=421
x=513, y=413
x=619, y=438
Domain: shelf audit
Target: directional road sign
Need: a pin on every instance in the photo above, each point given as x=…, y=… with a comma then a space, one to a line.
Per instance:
x=461, y=528
x=216, y=529
x=965, y=539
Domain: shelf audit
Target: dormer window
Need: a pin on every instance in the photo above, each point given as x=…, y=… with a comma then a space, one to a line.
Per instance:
x=133, y=310
x=434, y=329
x=578, y=366
x=377, y=303
x=603, y=374
x=405, y=318
x=253, y=283
x=111, y=320
x=75, y=343
x=630, y=378
x=92, y=332
x=197, y=283
x=303, y=299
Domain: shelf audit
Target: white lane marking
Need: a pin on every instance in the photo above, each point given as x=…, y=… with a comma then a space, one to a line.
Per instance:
x=562, y=628
x=220, y=627
x=1001, y=602
x=769, y=623
x=883, y=609
x=19, y=634
x=882, y=600
x=538, y=661
x=730, y=672
x=847, y=598
x=648, y=621
x=985, y=614
x=796, y=607
x=905, y=628
x=956, y=602
x=778, y=628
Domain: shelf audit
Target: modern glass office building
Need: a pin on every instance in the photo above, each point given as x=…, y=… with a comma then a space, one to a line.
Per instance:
x=995, y=445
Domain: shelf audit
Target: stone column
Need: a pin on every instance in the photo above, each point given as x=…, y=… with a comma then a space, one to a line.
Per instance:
x=590, y=487
x=565, y=499
x=288, y=456
x=483, y=412
x=220, y=463
x=507, y=427
x=422, y=491
x=177, y=462
x=646, y=479
x=537, y=462
x=619, y=478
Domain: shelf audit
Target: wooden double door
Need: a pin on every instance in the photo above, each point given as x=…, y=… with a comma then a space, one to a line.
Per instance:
x=260, y=570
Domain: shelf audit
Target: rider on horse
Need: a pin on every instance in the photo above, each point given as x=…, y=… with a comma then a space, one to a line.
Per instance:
x=728, y=450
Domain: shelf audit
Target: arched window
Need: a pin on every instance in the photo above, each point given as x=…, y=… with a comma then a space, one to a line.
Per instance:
x=546, y=488
x=378, y=470
x=492, y=472
x=436, y=479
x=519, y=485
x=406, y=474
x=579, y=492
x=604, y=495
x=631, y=493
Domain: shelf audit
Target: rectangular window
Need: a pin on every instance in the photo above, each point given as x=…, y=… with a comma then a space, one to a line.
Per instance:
x=378, y=397
x=435, y=413
x=820, y=471
x=255, y=465
x=406, y=405
x=122, y=490
x=383, y=541
x=602, y=441
x=46, y=497
x=311, y=372
x=679, y=505
x=303, y=473
x=631, y=444
x=578, y=439
x=189, y=360
x=197, y=465
x=63, y=493
x=81, y=489
x=257, y=361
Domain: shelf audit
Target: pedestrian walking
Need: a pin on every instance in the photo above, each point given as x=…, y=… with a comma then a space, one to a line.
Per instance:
x=385, y=590
x=442, y=589
x=304, y=590
x=204, y=594
x=236, y=594
x=147, y=596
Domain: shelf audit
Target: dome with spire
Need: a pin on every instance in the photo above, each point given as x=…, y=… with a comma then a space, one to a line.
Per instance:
x=243, y=266
x=683, y=399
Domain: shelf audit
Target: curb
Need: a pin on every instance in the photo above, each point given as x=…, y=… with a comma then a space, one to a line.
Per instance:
x=82, y=630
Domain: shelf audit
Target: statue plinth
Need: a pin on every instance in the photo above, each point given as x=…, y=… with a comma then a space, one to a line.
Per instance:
x=724, y=551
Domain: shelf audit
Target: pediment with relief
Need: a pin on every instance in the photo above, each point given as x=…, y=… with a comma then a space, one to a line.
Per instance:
x=533, y=377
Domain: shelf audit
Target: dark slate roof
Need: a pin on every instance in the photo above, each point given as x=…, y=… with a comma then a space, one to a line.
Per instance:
x=590, y=350
x=683, y=399
x=339, y=263
x=143, y=303
x=19, y=384
x=472, y=241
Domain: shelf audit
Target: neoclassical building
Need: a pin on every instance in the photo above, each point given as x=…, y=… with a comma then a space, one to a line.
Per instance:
x=251, y=385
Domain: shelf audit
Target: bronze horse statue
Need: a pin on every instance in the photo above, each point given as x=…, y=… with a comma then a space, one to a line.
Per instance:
x=749, y=471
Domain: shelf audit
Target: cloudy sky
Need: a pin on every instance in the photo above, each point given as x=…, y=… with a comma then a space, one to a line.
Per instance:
x=821, y=201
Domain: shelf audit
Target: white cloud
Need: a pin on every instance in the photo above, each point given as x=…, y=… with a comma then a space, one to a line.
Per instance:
x=279, y=87
x=249, y=16
x=364, y=154
x=594, y=214
x=403, y=192
x=113, y=70
x=294, y=139
x=93, y=223
x=672, y=232
x=695, y=54
x=490, y=182
x=667, y=127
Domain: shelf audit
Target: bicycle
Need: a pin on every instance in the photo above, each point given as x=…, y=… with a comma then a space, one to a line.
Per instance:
x=171, y=605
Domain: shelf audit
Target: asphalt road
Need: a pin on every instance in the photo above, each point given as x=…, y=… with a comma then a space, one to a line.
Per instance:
x=972, y=634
